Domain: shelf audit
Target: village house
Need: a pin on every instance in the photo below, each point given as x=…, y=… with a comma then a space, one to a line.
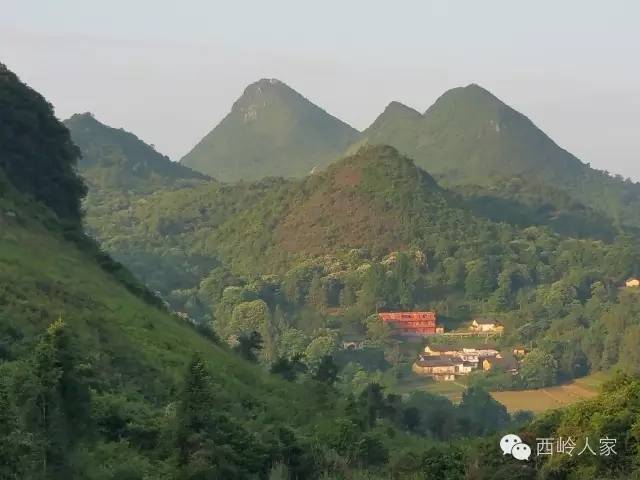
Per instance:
x=438, y=367
x=483, y=325
x=412, y=324
x=485, y=350
x=442, y=361
x=467, y=354
x=442, y=367
x=632, y=282
x=436, y=350
x=467, y=367
x=502, y=363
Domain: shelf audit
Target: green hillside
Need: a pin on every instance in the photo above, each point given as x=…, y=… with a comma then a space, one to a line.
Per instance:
x=468, y=136
x=376, y=200
x=133, y=353
x=529, y=201
x=116, y=159
x=319, y=256
x=99, y=381
x=91, y=364
x=271, y=131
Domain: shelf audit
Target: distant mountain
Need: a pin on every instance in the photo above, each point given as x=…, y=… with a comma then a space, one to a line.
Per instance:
x=271, y=131
x=469, y=136
x=376, y=201
x=116, y=159
x=95, y=373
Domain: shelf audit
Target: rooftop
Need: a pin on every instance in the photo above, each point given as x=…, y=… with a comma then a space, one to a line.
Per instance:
x=427, y=361
x=486, y=321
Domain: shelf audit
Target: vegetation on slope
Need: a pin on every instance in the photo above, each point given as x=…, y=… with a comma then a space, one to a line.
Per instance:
x=114, y=159
x=36, y=152
x=525, y=202
x=308, y=262
x=99, y=383
x=271, y=130
x=471, y=137
x=96, y=382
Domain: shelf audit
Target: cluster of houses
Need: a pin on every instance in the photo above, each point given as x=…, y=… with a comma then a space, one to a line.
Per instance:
x=448, y=362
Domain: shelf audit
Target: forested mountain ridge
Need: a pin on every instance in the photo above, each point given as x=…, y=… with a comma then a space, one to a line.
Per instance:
x=116, y=159
x=99, y=381
x=374, y=232
x=271, y=130
x=467, y=137
x=90, y=370
x=376, y=200
x=470, y=137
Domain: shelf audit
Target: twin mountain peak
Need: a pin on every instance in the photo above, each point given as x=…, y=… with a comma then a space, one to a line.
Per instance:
x=467, y=137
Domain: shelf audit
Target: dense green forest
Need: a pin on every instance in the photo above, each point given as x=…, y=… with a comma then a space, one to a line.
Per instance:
x=99, y=380
x=308, y=262
x=224, y=361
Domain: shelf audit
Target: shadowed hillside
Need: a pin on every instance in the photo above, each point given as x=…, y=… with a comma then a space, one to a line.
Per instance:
x=116, y=159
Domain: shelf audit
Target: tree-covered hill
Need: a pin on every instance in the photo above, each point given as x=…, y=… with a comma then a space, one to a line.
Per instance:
x=376, y=200
x=36, y=151
x=292, y=258
x=92, y=367
x=114, y=159
x=470, y=137
x=528, y=201
x=99, y=381
x=271, y=130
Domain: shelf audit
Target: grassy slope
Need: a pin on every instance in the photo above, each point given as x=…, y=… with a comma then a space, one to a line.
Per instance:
x=131, y=345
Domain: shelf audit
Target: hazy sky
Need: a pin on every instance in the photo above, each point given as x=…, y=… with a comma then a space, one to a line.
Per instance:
x=170, y=70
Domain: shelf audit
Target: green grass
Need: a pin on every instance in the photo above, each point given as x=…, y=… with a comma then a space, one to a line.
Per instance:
x=132, y=346
x=451, y=390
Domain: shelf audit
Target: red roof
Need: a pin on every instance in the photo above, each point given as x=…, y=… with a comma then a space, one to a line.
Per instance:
x=408, y=316
x=411, y=323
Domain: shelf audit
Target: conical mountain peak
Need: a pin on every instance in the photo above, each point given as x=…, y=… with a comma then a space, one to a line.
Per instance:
x=271, y=130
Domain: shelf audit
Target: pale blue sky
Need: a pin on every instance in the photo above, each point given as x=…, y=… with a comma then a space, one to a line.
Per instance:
x=169, y=70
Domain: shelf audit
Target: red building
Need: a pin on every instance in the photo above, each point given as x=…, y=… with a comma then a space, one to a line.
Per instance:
x=411, y=323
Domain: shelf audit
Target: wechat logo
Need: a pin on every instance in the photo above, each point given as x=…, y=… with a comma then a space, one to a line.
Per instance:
x=512, y=445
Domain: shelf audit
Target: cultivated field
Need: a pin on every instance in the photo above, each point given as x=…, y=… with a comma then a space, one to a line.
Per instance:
x=553, y=397
x=533, y=400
